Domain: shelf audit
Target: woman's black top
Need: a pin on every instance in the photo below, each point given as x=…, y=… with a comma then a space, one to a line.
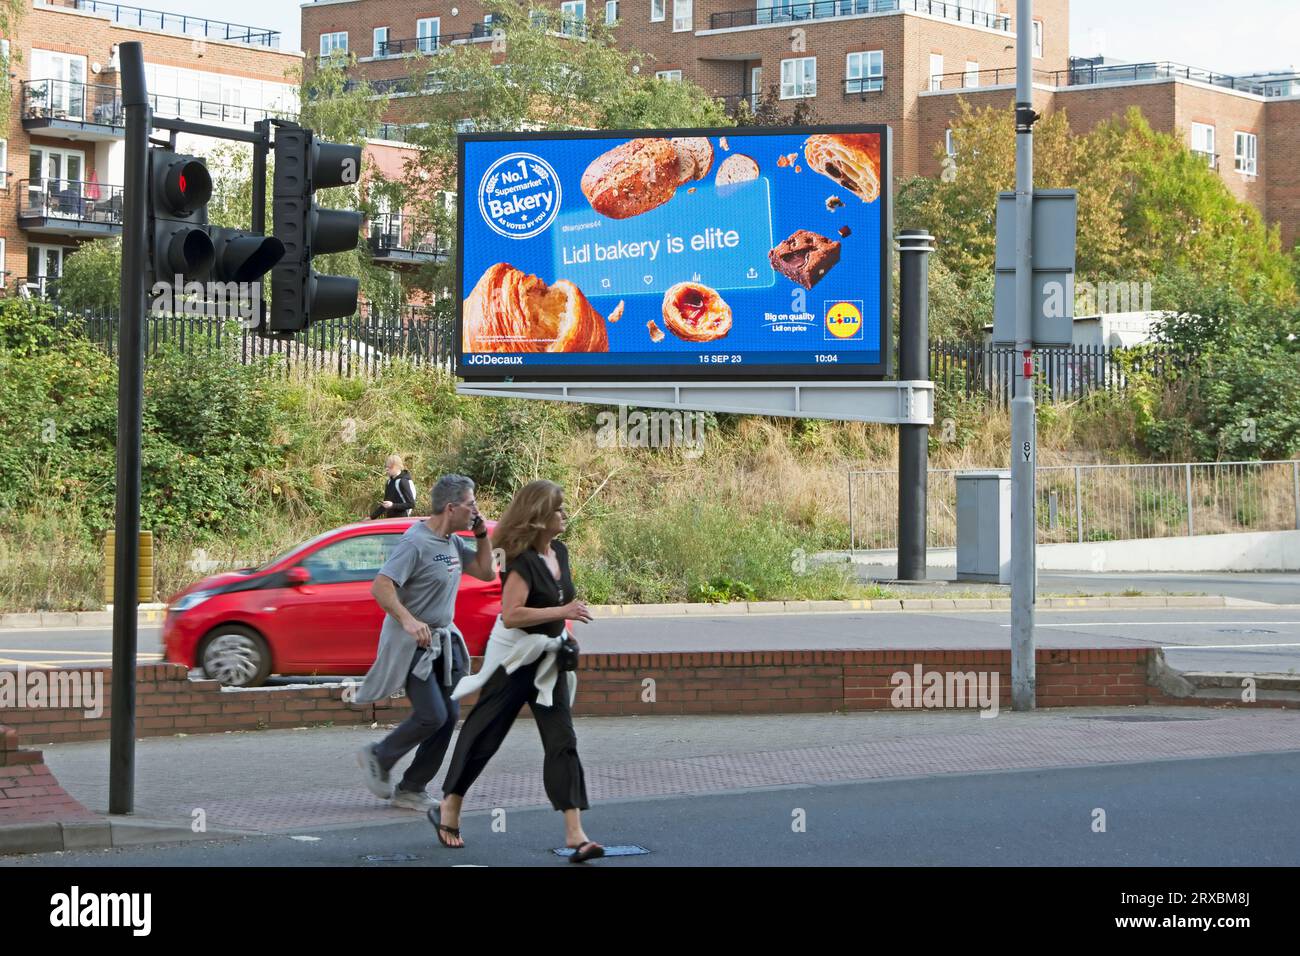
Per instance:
x=543, y=589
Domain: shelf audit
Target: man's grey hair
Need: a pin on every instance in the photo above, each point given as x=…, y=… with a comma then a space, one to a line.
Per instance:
x=449, y=490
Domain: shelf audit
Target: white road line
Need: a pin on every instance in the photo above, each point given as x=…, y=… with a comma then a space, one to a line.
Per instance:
x=1217, y=647
x=1155, y=623
x=46, y=650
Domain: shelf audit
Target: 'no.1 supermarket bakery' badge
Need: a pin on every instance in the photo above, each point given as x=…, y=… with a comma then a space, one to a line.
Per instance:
x=519, y=195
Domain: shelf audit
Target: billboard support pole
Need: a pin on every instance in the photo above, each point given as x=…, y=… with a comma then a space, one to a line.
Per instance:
x=1023, y=676
x=914, y=248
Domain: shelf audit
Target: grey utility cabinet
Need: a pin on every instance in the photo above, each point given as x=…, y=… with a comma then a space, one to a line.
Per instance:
x=984, y=526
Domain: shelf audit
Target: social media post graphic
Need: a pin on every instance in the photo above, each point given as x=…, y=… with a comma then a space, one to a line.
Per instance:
x=706, y=254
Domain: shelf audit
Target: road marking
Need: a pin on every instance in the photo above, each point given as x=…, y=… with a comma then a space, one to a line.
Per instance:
x=46, y=650
x=1153, y=623
x=1218, y=647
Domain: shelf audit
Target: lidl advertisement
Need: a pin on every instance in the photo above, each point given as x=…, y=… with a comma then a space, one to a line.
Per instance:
x=701, y=253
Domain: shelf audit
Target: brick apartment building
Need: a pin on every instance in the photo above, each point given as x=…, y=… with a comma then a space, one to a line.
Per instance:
x=901, y=62
x=64, y=154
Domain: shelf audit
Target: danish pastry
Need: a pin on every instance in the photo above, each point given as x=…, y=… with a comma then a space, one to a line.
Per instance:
x=509, y=311
x=641, y=174
x=850, y=159
x=696, y=313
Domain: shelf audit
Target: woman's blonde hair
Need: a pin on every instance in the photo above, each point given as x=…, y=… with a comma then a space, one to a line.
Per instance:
x=395, y=460
x=526, y=517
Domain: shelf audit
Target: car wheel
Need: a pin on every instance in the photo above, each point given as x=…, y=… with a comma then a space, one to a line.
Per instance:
x=236, y=656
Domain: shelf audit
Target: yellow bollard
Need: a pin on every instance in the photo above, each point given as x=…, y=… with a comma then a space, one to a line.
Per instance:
x=144, y=593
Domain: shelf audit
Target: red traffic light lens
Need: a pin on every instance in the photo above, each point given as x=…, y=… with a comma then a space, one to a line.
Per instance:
x=182, y=182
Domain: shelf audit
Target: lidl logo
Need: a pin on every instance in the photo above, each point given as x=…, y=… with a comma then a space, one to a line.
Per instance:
x=844, y=321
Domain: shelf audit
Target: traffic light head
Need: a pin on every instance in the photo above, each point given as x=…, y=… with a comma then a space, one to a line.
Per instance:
x=179, y=190
x=304, y=164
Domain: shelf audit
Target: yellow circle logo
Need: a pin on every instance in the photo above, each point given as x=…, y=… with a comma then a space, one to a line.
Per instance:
x=844, y=320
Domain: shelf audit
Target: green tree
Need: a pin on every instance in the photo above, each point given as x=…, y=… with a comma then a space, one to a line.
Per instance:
x=92, y=277
x=11, y=12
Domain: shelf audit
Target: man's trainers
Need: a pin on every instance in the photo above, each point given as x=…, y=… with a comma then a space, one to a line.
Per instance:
x=376, y=777
x=413, y=800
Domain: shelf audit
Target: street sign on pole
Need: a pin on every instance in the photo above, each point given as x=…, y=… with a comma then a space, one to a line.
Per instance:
x=1055, y=214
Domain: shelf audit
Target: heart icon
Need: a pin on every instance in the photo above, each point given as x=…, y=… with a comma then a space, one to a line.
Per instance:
x=648, y=279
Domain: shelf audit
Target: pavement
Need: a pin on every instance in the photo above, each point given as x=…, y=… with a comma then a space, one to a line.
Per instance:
x=296, y=797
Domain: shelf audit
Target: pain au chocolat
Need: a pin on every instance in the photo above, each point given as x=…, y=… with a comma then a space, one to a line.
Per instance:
x=510, y=311
x=850, y=159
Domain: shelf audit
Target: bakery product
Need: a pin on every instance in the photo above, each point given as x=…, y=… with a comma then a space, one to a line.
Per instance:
x=510, y=311
x=632, y=178
x=736, y=168
x=696, y=313
x=694, y=157
x=850, y=159
x=805, y=257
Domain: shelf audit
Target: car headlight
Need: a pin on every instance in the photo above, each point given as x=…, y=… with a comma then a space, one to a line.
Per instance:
x=191, y=600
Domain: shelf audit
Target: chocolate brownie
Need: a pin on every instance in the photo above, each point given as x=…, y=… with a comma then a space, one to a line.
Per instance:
x=805, y=257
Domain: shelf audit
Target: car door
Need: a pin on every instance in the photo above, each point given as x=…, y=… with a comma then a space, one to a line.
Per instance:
x=330, y=625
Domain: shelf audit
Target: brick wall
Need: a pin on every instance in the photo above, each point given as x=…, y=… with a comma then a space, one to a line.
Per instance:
x=167, y=702
x=1278, y=149
x=29, y=793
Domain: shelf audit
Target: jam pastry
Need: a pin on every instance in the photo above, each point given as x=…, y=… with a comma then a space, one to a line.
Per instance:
x=509, y=311
x=696, y=313
x=851, y=159
x=805, y=257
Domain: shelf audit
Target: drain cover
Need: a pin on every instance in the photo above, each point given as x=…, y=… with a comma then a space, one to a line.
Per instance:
x=629, y=850
x=390, y=857
x=1244, y=630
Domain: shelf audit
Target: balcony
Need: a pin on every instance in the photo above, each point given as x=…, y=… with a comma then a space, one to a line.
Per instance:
x=198, y=27
x=431, y=44
x=1089, y=74
x=210, y=111
x=79, y=111
x=396, y=239
x=981, y=79
x=395, y=132
x=69, y=207
x=731, y=103
x=863, y=85
x=823, y=9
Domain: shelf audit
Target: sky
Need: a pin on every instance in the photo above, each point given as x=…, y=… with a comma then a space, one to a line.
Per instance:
x=1211, y=34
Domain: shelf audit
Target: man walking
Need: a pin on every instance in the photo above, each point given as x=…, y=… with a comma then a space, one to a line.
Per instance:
x=419, y=646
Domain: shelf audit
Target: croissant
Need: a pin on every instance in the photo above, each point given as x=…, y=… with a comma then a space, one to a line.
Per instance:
x=509, y=311
x=696, y=313
x=850, y=159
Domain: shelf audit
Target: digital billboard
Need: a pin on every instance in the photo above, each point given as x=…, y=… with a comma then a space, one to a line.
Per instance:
x=719, y=254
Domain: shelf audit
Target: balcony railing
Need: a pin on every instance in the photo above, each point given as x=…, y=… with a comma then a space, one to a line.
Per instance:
x=37, y=287
x=400, y=237
x=74, y=102
x=210, y=111
x=974, y=79
x=864, y=84
x=822, y=9
x=732, y=102
x=1080, y=74
x=431, y=44
x=71, y=199
x=175, y=23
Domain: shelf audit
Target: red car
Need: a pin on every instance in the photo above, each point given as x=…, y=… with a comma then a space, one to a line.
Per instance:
x=308, y=612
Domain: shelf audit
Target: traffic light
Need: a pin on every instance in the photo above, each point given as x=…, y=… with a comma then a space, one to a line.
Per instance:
x=179, y=190
x=183, y=244
x=304, y=164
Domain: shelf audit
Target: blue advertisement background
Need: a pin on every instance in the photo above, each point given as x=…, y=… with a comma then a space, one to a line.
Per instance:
x=762, y=331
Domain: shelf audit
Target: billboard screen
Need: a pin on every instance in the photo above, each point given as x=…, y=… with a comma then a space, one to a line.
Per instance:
x=719, y=254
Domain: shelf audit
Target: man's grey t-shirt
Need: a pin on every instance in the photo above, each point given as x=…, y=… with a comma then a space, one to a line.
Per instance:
x=426, y=570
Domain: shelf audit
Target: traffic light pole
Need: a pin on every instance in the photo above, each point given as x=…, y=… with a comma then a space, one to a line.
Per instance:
x=130, y=407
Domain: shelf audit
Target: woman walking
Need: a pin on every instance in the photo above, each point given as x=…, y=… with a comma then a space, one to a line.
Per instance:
x=529, y=660
x=399, y=492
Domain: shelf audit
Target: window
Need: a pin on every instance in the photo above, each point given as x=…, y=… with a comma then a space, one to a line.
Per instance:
x=799, y=78
x=65, y=92
x=656, y=10
x=427, y=32
x=1038, y=39
x=1203, y=142
x=381, y=41
x=865, y=71
x=352, y=559
x=683, y=15
x=573, y=12
x=331, y=43
x=669, y=76
x=936, y=71
x=949, y=146
x=1245, y=151
x=972, y=75
x=611, y=12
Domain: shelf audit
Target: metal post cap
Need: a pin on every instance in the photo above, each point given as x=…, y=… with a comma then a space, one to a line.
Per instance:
x=915, y=240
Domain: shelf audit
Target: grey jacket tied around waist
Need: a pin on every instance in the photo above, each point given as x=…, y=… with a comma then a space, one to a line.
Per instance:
x=393, y=662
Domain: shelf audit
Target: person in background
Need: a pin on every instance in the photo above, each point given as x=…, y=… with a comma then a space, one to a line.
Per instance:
x=399, y=493
x=525, y=664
